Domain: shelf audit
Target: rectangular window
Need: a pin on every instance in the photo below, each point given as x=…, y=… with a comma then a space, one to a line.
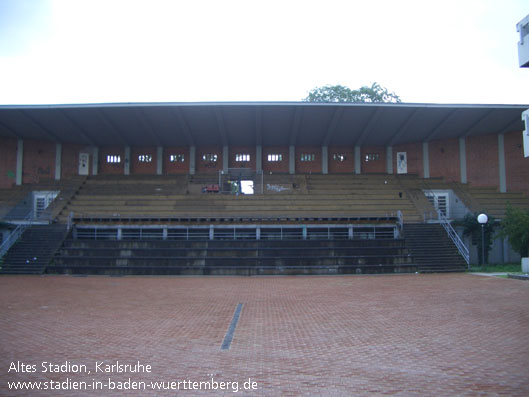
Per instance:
x=308, y=157
x=242, y=157
x=372, y=157
x=177, y=158
x=212, y=157
x=144, y=158
x=275, y=157
x=339, y=157
x=114, y=159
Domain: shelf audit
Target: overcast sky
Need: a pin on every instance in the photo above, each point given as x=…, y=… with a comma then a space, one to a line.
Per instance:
x=93, y=51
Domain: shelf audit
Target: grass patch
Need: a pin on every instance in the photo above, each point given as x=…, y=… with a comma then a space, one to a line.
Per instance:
x=500, y=268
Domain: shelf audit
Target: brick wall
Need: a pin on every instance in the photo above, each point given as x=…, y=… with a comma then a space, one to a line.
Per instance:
x=307, y=167
x=234, y=150
x=39, y=161
x=337, y=167
x=275, y=166
x=482, y=160
x=8, y=162
x=516, y=165
x=413, y=156
x=70, y=159
x=175, y=167
x=377, y=166
x=205, y=166
x=138, y=167
x=444, y=159
x=110, y=168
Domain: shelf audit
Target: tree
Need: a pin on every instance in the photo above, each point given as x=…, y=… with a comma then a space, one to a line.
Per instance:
x=473, y=228
x=340, y=93
x=515, y=226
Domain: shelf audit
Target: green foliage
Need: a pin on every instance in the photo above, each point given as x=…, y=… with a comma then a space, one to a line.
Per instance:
x=473, y=228
x=499, y=268
x=515, y=226
x=340, y=93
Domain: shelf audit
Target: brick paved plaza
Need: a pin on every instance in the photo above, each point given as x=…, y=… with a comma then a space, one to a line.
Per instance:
x=423, y=335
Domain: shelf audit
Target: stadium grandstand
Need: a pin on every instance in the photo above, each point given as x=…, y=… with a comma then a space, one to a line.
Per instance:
x=254, y=188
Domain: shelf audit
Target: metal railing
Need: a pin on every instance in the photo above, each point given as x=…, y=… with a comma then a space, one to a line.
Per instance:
x=16, y=233
x=400, y=222
x=240, y=232
x=49, y=199
x=29, y=219
x=462, y=248
x=445, y=223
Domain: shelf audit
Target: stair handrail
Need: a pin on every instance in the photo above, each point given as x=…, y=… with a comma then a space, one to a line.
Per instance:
x=16, y=233
x=444, y=221
x=400, y=221
x=45, y=215
x=462, y=248
x=69, y=223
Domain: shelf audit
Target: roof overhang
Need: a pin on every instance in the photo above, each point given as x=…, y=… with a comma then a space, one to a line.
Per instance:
x=255, y=123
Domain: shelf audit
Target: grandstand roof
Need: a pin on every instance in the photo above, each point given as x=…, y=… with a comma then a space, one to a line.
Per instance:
x=254, y=123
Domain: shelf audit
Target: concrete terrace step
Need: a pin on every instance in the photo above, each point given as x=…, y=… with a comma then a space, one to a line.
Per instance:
x=223, y=256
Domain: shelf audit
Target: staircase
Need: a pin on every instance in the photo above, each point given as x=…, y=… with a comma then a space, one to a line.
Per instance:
x=34, y=250
x=432, y=249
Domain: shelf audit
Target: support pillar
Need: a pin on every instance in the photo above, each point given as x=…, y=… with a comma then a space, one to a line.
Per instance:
x=225, y=158
x=425, y=160
x=20, y=161
x=291, y=159
x=95, y=160
x=126, y=167
x=258, y=158
x=501, y=162
x=159, y=160
x=358, y=160
x=463, y=159
x=389, y=159
x=58, y=161
x=324, y=160
x=192, y=160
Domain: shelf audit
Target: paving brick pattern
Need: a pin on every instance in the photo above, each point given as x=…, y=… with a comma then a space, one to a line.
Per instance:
x=407, y=335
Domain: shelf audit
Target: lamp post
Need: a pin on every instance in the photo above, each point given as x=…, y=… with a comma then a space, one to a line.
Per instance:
x=482, y=220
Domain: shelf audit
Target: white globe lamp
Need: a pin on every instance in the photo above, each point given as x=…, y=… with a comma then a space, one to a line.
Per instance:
x=482, y=220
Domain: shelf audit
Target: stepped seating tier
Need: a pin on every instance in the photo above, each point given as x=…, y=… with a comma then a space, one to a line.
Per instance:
x=232, y=257
x=290, y=196
x=476, y=199
x=495, y=203
x=15, y=205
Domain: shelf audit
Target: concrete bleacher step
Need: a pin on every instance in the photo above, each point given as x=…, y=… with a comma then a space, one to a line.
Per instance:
x=340, y=195
x=232, y=257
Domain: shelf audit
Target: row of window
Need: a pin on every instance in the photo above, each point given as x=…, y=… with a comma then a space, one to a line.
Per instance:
x=145, y=158
x=240, y=157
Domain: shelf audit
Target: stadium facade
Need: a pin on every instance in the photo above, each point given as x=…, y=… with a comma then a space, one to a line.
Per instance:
x=445, y=147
